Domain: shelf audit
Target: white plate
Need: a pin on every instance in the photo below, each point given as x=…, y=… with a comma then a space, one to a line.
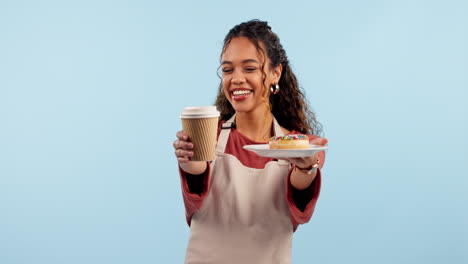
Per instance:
x=264, y=150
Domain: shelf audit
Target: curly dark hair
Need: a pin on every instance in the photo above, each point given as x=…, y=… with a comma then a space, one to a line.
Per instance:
x=289, y=106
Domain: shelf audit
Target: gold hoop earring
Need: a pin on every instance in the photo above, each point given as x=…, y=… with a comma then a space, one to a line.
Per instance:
x=274, y=89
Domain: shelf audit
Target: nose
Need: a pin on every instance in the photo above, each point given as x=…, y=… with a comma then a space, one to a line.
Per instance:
x=237, y=78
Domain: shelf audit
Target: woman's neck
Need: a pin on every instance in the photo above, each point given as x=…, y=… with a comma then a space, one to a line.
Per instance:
x=255, y=126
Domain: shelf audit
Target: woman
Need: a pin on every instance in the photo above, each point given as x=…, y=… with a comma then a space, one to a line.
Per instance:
x=243, y=208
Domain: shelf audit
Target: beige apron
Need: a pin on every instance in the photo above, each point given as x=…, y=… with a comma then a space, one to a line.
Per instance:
x=245, y=216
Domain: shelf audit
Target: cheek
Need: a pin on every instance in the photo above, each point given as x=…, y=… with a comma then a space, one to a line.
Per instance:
x=225, y=82
x=226, y=89
x=257, y=80
x=259, y=86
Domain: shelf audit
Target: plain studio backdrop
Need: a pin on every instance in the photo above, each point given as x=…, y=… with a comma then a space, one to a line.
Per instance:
x=90, y=97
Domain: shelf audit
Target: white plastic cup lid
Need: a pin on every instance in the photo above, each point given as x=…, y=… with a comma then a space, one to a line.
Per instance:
x=199, y=112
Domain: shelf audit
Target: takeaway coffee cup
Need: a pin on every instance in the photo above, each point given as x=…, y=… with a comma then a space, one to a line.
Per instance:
x=201, y=125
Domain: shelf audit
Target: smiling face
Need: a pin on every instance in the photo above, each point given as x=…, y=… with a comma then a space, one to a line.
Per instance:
x=243, y=76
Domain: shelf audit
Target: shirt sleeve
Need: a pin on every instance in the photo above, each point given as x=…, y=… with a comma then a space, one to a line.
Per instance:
x=194, y=190
x=302, y=202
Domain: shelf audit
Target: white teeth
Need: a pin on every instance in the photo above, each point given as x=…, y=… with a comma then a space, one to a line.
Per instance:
x=241, y=92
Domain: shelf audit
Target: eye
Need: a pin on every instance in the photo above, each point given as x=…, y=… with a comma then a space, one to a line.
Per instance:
x=250, y=69
x=227, y=70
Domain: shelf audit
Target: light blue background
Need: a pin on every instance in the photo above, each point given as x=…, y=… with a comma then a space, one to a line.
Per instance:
x=90, y=96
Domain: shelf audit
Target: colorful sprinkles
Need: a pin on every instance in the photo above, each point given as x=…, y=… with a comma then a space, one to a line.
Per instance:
x=291, y=137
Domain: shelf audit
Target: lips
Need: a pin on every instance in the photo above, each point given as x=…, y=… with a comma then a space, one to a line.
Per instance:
x=240, y=94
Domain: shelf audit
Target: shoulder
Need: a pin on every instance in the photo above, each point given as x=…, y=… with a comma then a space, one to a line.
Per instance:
x=286, y=132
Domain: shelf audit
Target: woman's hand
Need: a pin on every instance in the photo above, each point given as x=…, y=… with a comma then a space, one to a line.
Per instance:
x=299, y=179
x=184, y=150
x=307, y=162
x=183, y=147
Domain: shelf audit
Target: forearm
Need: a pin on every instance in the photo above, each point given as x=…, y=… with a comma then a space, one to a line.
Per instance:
x=194, y=167
x=300, y=180
x=194, y=189
x=302, y=202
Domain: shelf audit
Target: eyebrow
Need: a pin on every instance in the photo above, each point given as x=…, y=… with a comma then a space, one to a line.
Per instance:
x=244, y=61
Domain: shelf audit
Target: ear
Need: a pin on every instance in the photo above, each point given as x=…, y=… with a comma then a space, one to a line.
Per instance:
x=276, y=73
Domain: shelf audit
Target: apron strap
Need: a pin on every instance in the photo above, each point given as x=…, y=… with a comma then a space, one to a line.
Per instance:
x=224, y=135
x=226, y=130
x=277, y=129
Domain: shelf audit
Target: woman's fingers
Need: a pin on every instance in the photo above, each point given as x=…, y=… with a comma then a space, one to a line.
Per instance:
x=182, y=141
x=300, y=162
x=180, y=144
x=183, y=148
x=181, y=135
x=180, y=153
x=303, y=162
x=319, y=141
x=183, y=160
